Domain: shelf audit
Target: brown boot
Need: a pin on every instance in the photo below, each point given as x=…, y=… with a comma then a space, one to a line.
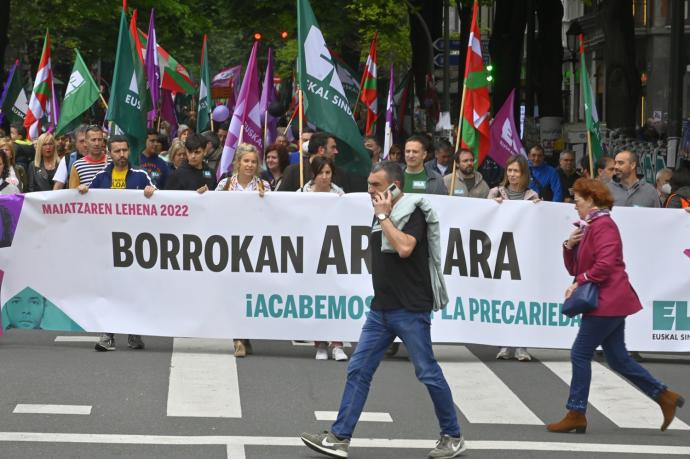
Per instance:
x=574, y=420
x=669, y=400
x=240, y=350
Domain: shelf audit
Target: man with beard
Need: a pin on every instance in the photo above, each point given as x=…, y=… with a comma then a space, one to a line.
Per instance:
x=468, y=182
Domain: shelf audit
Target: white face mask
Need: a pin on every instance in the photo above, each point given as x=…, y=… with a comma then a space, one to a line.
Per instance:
x=666, y=188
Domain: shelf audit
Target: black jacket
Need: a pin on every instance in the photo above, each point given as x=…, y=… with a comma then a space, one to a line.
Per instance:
x=291, y=178
x=190, y=178
x=40, y=179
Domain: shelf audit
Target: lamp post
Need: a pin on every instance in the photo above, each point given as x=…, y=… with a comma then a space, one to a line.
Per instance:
x=571, y=37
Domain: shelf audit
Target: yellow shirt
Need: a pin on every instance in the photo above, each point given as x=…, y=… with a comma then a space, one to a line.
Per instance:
x=119, y=181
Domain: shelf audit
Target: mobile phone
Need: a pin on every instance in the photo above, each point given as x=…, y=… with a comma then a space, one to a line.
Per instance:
x=394, y=191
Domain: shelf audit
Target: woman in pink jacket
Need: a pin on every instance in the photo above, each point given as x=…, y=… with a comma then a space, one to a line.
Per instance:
x=594, y=253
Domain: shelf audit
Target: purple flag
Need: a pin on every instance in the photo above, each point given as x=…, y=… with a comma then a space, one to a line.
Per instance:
x=152, y=71
x=505, y=140
x=6, y=88
x=228, y=78
x=168, y=111
x=268, y=96
x=246, y=119
x=388, y=135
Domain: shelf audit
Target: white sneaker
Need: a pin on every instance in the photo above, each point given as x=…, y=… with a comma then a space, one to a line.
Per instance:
x=504, y=354
x=522, y=355
x=321, y=353
x=339, y=355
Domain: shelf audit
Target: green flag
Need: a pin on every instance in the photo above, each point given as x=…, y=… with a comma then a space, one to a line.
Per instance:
x=325, y=100
x=15, y=104
x=591, y=116
x=127, y=106
x=81, y=93
x=203, y=114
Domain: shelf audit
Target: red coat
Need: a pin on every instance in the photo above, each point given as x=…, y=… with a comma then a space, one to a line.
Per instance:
x=599, y=259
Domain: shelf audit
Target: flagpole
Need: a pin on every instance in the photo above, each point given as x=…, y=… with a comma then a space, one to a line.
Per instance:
x=589, y=153
x=210, y=117
x=105, y=104
x=451, y=192
x=299, y=142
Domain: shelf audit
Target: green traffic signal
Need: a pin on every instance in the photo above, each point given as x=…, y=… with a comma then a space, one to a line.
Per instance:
x=489, y=70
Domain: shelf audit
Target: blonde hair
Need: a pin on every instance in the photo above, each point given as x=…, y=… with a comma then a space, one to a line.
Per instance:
x=6, y=143
x=176, y=147
x=43, y=139
x=243, y=150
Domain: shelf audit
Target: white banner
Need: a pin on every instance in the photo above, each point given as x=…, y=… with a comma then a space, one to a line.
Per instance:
x=295, y=266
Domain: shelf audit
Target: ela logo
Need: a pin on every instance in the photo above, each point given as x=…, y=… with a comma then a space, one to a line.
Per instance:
x=670, y=315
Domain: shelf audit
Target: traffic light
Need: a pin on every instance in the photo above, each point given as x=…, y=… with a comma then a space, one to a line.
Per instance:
x=489, y=73
x=257, y=36
x=284, y=35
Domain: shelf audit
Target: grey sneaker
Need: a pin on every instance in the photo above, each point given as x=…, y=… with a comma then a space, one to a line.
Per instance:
x=106, y=343
x=522, y=355
x=505, y=353
x=448, y=447
x=135, y=342
x=326, y=443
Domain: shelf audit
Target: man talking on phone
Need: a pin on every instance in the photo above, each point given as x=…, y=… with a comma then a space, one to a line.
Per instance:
x=408, y=285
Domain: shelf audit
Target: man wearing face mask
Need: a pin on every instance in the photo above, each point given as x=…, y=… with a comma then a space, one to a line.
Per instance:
x=663, y=184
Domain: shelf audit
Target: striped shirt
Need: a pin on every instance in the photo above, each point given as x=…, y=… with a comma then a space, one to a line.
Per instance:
x=84, y=170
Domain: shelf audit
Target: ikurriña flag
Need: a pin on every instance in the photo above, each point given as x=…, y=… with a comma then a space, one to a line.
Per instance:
x=475, y=112
x=35, y=118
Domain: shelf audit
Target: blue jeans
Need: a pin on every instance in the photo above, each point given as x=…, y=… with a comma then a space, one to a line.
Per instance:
x=609, y=332
x=378, y=332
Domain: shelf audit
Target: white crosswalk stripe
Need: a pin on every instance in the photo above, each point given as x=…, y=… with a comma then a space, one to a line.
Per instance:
x=610, y=394
x=479, y=394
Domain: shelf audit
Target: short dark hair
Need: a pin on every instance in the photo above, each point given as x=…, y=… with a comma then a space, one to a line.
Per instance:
x=631, y=154
x=117, y=138
x=212, y=137
x=318, y=140
x=537, y=146
x=423, y=140
x=5, y=165
x=443, y=144
x=151, y=131
x=224, y=126
x=283, y=155
x=195, y=141
x=21, y=130
x=319, y=162
x=372, y=137
x=93, y=128
x=601, y=162
x=394, y=171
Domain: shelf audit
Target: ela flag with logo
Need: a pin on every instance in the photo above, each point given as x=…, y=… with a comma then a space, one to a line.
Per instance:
x=126, y=107
x=388, y=134
x=591, y=115
x=505, y=140
x=325, y=101
x=203, y=113
x=14, y=102
x=370, y=93
x=81, y=93
x=40, y=97
x=268, y=96
x=245, y=126
x=475, y=112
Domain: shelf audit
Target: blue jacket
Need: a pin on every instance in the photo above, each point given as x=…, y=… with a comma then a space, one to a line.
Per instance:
x=136, y=179
x=157, y=169
x=543, y=178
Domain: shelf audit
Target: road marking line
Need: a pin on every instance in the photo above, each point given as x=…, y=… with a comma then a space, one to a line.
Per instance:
x=366, y=416
x=77, y=339
x=478, y=392
x=112, y=439
x=236, y=451
x=311, y=343
x=33, y=408
x=612, y=395
x=203, y=379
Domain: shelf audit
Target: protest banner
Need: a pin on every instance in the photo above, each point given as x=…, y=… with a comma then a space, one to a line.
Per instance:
x=296, y=266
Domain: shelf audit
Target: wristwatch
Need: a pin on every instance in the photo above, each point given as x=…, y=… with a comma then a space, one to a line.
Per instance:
x=381, y=217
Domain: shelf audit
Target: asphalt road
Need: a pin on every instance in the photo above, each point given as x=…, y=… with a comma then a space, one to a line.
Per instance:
x=195, y=400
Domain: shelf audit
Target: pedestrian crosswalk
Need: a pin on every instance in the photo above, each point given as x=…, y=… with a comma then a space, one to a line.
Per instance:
x=204, y=381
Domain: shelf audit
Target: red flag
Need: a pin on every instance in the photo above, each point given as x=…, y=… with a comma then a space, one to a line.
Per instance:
x=135, y=36
x=475, y=111
x=369, y=94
